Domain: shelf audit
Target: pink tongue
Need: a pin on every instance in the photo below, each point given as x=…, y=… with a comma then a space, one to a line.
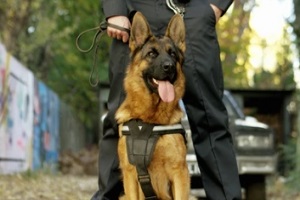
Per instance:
x=166, y=91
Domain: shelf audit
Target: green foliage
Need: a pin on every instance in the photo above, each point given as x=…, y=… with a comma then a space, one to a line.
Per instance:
x=236, y=38
x=234, y=35
x=42, y=34
x=296, y=24
x=289, y=155
x=291, y=171
x=290, y=152
x=283, y=75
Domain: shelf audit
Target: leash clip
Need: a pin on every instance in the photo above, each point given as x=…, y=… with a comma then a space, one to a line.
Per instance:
x=176, y=9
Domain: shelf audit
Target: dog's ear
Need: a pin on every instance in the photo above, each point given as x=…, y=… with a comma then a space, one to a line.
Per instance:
x=176, y=31
x=140, y=31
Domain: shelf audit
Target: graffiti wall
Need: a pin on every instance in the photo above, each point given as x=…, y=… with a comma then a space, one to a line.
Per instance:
x=46, y=127
x=16, y=116
x=30, y=118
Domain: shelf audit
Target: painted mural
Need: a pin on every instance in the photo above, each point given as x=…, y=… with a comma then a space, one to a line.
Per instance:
x=16, y=114
x=46, y=127
x=29, y=119
x=3, y=104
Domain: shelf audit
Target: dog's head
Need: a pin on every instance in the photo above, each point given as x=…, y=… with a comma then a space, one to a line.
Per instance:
x=158, y=60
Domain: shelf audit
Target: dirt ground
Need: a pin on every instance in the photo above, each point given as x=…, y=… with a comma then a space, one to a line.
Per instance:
x=76, y=179
x=46, y=186
x=43, y=186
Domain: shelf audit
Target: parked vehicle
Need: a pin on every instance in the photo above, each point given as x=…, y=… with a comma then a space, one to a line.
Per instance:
x=254, y=147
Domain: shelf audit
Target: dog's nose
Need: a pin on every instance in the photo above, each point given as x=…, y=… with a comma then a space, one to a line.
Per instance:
x=167, y=66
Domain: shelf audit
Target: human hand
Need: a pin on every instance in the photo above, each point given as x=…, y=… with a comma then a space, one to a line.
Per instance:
x=121, y=21
x=218, y=11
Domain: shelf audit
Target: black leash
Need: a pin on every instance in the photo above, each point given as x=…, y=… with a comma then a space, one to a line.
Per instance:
x=100, y=30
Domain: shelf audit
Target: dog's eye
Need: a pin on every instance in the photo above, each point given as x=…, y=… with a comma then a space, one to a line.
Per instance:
x=152, y=54
x=173, y=54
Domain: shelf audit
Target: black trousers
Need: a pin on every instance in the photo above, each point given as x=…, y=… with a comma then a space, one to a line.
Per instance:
x=203, y=101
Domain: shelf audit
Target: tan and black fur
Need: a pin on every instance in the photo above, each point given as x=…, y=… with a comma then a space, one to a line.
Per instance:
x=154, y=59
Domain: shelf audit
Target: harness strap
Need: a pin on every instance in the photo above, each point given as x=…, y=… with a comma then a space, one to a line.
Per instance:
x=140, y=146
x=157, y=129
x=141, y=139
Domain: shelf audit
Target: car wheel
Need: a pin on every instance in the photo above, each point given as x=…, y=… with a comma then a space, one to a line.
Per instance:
x=255, y=187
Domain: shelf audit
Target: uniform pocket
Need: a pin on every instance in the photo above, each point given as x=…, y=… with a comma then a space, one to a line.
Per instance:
x=202, y=10
x=210, y=12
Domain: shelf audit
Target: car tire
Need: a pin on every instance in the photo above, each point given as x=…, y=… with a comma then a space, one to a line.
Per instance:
x=255, y=187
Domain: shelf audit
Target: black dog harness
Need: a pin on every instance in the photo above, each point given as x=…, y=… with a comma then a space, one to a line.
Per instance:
x=141, y=139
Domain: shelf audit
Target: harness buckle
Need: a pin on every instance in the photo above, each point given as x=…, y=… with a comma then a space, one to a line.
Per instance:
x=143, y=179
x=146, y=186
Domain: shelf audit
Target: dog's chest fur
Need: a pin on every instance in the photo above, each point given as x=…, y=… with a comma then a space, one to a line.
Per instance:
x=148, y=99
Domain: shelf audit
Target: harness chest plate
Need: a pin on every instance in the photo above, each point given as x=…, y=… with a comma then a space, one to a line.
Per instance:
x=141, y=139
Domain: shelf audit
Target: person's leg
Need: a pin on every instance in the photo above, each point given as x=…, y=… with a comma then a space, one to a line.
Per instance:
x=206, y=111
x=110, y=185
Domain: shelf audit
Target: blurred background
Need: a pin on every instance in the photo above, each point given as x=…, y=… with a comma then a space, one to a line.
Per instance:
x=50, y=114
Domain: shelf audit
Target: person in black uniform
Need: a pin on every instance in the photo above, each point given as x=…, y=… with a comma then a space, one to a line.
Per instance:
x=203, y=97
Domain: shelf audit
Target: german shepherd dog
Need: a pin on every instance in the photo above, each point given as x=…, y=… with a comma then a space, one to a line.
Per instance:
x=154, y=84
